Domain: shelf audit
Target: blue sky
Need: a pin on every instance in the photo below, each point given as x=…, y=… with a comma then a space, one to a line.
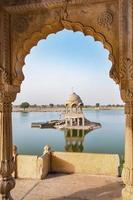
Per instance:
x=64, y=61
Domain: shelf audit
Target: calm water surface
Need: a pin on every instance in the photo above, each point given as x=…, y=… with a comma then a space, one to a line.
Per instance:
x=108, y=139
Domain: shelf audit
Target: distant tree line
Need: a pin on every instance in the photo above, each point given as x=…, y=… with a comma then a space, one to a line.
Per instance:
x=25, y=105
x=108, y=105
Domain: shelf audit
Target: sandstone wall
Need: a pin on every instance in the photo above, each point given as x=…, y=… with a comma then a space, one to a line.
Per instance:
x=35, y=167
x=97, y=164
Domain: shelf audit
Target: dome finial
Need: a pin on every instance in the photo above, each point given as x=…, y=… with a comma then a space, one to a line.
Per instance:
x=72, y=89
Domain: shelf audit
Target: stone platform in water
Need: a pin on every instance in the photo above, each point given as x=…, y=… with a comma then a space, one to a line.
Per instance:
x=60, y=124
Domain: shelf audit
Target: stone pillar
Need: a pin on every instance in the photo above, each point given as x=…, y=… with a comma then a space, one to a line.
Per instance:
x=78, y=121
x=127, y=174
x=83, y=121
x=71, y=121
x=7, y=182
x=66, y=122
x=15, y=154
x=78, y=133
x=71, y=133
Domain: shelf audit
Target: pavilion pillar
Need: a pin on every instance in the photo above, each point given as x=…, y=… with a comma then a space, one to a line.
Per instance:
x=71, y=121
x=78, y=121
x=78, y=133
x=66, y=122
x=83, y=121
x=71, y=133
x=127, y=175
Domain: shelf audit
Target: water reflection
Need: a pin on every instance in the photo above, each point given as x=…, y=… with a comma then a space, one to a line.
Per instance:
x=74, y=139
x=108, y=139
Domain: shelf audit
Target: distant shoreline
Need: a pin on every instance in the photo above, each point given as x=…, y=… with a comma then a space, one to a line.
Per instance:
x=59, y=109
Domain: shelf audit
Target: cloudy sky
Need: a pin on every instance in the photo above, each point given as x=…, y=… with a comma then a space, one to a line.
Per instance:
x=67, y=62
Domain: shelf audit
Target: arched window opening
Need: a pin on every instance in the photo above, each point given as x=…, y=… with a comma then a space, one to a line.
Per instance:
x=62, y=64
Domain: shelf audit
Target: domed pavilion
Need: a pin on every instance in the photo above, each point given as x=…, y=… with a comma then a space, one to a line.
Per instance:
x=74, y=114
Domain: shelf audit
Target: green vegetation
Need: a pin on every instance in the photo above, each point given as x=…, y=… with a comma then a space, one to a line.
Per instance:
x=24, y=105
x=122, y=162
x=97, y=105
x=51, y=105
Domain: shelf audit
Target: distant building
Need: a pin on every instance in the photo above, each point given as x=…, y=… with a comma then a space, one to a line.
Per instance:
x=74, y=114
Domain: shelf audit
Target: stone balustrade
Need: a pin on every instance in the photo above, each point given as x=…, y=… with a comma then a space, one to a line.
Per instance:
x=35, y=167
x=32, y=166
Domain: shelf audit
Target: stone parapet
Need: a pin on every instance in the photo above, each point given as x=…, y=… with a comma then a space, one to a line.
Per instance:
x=34, y=167
x=90, y=163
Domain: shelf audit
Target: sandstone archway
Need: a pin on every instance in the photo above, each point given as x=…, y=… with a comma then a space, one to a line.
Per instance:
x=23, y=23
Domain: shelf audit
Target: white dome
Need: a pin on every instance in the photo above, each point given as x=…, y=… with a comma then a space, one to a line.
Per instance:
x=74, y=101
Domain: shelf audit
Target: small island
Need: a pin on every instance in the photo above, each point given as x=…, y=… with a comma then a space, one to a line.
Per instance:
x=72, y=118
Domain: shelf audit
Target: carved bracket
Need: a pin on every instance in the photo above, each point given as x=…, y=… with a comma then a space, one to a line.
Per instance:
x=8, y=93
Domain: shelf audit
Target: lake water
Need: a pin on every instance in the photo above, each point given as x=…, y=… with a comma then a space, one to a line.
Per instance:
x=108, y=139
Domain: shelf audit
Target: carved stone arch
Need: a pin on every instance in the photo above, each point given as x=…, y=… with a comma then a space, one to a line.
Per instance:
x=36, y=36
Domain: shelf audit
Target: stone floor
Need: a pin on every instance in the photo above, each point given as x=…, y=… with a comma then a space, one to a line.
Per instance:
x=69, y=187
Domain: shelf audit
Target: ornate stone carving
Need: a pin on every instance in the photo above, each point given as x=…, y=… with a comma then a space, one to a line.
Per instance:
x=50, y=28
x=123, y=72
x=64, y=11
x=114, y=75
x=7, y=167
x=127, y=95
x=129, y=65
x=8, y=94
x=5, y=49
x=105, y=19
x=20, y=24
x=7, y=97
x=6, y=185
x=126, y=71
x=4, y=75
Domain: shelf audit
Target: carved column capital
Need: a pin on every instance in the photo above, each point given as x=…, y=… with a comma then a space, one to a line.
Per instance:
x=127, y=95
x=8, y=93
